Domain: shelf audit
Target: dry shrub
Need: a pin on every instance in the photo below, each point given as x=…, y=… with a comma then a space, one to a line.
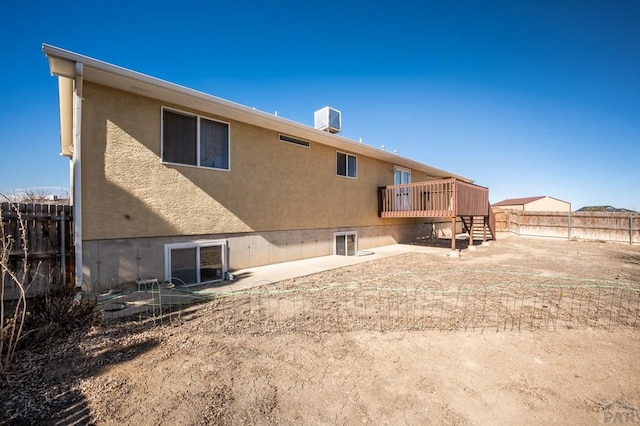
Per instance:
x=57, y=312
x=25, y=322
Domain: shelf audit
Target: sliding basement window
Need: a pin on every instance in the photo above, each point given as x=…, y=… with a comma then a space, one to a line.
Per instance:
x=195, y=263
x=345, y=243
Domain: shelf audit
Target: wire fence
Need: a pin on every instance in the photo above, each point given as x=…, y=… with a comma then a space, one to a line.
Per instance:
x=337, y=308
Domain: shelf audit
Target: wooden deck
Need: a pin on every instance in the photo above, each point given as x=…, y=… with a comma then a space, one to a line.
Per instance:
x=446, y=198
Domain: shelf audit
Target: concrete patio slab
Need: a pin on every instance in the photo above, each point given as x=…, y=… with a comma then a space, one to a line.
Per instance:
x=261, y=275
x=152, y=298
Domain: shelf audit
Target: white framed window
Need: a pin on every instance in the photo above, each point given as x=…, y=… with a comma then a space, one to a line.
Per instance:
x=402, y=176
x=193, y=140
x=346, y=165
x=345, y=243
x=194, y=263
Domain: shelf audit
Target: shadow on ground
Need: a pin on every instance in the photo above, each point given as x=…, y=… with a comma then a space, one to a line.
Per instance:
x=43, y=386
x=461, y=243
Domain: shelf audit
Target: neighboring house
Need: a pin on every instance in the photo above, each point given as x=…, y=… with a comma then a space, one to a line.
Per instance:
x=171, y=182
x=606, y=209
x=541, y=203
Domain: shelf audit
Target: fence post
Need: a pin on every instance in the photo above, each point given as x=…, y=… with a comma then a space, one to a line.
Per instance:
x=63, y=251
x=512, y=219
x=507, y=221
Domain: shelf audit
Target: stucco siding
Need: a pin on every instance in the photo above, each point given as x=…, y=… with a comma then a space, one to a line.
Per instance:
x=128, y=192
x=277, y=201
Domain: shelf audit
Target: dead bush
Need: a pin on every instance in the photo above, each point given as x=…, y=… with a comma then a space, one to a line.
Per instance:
x=57, y=312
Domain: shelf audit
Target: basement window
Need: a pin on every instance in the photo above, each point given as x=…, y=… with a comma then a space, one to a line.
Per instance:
x=345, y=243
x=193, y=140
x=295, y=141
x=195, y=263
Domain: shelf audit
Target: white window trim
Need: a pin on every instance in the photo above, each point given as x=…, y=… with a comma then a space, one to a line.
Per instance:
x=341, y=233
x=192, y=244
x=347, y=165
x=402, y=194
x=402, y=169
x=198, y=117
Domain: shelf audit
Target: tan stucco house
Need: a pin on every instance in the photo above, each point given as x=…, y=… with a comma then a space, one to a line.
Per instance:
x=172, y=183
x=539, y=203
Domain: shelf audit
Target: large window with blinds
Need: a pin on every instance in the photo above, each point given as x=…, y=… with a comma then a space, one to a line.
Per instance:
x=194, y=140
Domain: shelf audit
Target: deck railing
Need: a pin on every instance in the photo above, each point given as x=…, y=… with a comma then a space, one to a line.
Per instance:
x=471, y=200
x=437, y=198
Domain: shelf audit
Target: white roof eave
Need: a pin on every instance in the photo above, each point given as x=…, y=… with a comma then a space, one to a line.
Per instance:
x=130, y=81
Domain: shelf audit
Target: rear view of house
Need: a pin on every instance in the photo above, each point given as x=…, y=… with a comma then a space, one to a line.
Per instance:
x=171, y=183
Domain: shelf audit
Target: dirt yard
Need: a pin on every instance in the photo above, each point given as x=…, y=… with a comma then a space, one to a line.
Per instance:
x=197, y=368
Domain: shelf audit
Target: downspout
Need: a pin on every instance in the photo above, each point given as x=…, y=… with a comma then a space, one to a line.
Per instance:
x=76, y=172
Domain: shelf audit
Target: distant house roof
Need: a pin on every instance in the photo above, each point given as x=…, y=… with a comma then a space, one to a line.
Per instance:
x=604, y=209
x=518, y=201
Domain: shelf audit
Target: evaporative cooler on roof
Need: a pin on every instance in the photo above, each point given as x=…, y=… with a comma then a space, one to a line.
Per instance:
x=328, y=119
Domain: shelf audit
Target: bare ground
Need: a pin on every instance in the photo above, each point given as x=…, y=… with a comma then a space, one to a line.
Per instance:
x=190, y=370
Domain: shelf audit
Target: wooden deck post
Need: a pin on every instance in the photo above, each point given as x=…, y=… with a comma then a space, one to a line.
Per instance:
x=453, y=233
x=484, y=229
x=471, y=233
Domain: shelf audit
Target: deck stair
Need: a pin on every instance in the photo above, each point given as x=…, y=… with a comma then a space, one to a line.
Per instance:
x=478, y=228
x=483, y=226
x=442, y=198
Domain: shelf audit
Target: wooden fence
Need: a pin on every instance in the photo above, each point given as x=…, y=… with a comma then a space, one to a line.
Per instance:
x=593, y=226
x=49, y=237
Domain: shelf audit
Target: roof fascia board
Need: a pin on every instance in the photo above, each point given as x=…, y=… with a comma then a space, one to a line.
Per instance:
x=61, y=67
x=131, y=81
x=65, y=95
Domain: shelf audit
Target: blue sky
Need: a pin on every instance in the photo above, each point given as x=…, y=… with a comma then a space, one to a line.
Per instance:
x=526, y=97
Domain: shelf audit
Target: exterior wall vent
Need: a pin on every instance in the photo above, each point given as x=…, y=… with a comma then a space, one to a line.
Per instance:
x=328, y=119
x=295, y=141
